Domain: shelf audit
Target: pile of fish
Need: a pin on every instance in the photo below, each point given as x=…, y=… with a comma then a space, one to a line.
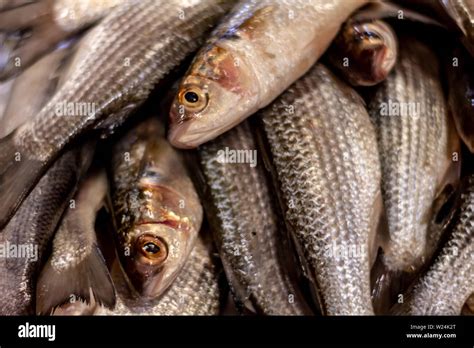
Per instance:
x=216, y=157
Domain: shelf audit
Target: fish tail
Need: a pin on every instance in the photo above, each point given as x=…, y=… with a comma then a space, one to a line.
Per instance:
x=18, y=175
x=88, y=277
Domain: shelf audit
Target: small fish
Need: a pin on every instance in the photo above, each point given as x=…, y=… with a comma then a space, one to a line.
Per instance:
x=76, y=269
x=419, y=154
x=251, y=240
x=460, y=76
x=449, y=282
x=194, y=292
x=157, y=210
x=324, y=150
x=32, y=229
x=364, y=52
x=259, y=50
x=47, y=23
x=121, y=60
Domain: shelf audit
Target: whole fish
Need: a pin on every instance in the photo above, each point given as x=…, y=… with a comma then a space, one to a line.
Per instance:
x=48, y=22
x=243, y=217
x=449, y=282
x=37, y=84
x=194, y=292
x=32, y=229
x=76, y=269
x=460, y=76
x=259, y=50
x=364, y=52
x=157, y=210
x=122, y=59
x=419, y=153
x=324, y=150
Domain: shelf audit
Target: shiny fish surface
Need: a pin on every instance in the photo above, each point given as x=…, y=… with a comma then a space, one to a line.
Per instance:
x=325, y=153
x=416, y=149
x=249, y=235
x=449, y=282
x=123, y=57
x=32, y=229
x=195, y=291
x=76, y=266
x=254, y=55
x=156, y=208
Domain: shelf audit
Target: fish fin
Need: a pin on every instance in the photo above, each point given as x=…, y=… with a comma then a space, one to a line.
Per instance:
x=89, y=281
x=18, y=175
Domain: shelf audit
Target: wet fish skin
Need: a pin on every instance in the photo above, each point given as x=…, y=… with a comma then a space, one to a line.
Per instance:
x=76, y=269
x=156, y=208
x=249, y=235
x=152, y=37
x=48, y=23
x=462, y=12
x=461, y=96
x=34, y=225
x=449, y=281
x=324, y=150
x=253, y=56
x=194, y=292
x=368, y=48
x=416, y=147
x=36, y=84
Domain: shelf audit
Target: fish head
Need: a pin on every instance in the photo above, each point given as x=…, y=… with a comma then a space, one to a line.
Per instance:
x=157, y=254
x=215, y=95
x=374, y=48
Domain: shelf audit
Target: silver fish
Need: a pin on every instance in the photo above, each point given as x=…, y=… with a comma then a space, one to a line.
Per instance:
x=76, y=269
x=260, y=49
x=32, y=229
x=194, y=292
x=324, y=149
x=418, y=151
x=123, y=58
x=251, y=240
x=449, y=281
x=156, y=209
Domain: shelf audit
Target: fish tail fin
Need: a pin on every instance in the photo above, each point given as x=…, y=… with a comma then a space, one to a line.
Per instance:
x=89, y=278
x=18, y=175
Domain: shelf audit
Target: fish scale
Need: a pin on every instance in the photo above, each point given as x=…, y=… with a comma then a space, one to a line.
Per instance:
x=328, y=197
x=449, y=282
x=194, y=292
x=34, y=225
x=246, y=228
x=415, y=152
x=151, y=34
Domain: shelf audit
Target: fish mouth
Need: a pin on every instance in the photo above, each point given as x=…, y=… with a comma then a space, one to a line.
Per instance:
x=188, y=135
x=147, y=284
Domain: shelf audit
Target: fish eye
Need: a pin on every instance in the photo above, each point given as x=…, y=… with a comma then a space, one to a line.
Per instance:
x=193, y=98
x=153, y=250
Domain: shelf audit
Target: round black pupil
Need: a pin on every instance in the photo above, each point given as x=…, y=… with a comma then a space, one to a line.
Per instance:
x=151, y=248
x=191, y=97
